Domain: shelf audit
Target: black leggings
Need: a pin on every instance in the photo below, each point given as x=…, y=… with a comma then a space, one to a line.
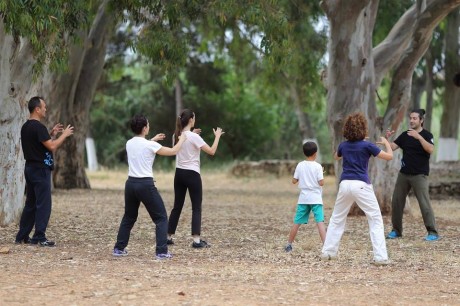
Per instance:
x=183, y=180
x=143, y=190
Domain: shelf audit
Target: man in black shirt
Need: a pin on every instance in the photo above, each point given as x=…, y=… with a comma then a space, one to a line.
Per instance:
x=38, y=148
x=417, y=145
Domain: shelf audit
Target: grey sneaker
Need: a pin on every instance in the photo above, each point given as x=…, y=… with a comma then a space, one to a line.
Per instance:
x=118, y=253
x=164, y=256
x=46, y=243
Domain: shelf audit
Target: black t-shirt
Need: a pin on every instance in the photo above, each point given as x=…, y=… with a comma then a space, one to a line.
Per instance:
x=415, y=159
x=33, y=133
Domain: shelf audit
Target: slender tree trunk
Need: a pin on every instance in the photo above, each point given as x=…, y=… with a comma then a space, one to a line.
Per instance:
x=417, y=89
x=448, y=141
x=305, y=127
x=429, y=89
x=16, y=60
x=178, y=96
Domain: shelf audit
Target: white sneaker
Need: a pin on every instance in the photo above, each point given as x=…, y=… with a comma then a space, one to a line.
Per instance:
x=326, y=257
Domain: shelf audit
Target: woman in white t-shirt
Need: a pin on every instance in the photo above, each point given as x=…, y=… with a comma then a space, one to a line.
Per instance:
x=187, y=176
x=140, y=187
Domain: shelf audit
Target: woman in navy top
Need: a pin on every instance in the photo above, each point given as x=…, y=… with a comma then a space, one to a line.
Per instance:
x=355, y=187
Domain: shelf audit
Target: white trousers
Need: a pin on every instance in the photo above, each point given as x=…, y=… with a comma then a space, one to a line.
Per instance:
x=363, y=194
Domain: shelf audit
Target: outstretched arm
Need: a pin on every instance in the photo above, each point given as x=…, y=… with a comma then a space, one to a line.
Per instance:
x=388, y=153
x=388, y=134
x=167, y=151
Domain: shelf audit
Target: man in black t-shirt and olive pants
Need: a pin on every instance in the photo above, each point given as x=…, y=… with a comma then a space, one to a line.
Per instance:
x=38, y=148
x=417, y=145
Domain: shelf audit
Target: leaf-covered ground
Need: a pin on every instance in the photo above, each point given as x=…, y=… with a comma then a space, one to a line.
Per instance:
x=247, y=222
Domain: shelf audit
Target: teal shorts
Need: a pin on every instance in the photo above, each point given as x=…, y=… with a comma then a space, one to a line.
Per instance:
x=303, y=213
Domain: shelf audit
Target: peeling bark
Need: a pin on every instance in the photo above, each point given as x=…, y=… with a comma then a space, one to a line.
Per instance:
x=15, y=88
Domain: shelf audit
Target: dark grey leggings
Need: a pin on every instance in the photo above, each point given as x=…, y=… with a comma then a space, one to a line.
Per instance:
x=419, y=184
x=183, y=180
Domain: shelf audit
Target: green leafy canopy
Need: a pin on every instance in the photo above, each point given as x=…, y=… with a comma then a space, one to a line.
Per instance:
x=46, y=24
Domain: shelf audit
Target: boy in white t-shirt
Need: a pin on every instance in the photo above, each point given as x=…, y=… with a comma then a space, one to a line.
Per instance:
x=309, y=175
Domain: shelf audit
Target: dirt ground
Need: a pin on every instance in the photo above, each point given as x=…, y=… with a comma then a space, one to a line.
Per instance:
x=247, y=222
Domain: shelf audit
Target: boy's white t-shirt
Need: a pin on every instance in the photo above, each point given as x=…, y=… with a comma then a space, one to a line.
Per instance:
x=188, y=156
x=141, y=155
x=309, y=173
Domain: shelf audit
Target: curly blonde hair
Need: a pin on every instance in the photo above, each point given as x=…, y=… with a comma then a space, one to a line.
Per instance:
x=355, y=127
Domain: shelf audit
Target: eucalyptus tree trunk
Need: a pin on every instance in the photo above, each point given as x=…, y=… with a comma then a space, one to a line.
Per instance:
x=429, y=89
x=448, y=141
x=70, y=96
x=16, y=60
x=356, y=69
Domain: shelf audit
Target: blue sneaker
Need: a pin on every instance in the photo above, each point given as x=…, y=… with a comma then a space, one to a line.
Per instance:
x=432, y=237
x=393, y=235
x=117, y=253
x=288, y=248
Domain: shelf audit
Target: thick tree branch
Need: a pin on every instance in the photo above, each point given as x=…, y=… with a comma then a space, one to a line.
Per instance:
x=402, y=79
x=388, y=53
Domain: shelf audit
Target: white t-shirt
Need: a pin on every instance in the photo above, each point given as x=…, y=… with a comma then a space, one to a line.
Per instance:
x=309, y=173
x=141, y=154
x=188, y=156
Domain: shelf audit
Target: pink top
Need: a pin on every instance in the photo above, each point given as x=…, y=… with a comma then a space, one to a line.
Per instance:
x=188, y=156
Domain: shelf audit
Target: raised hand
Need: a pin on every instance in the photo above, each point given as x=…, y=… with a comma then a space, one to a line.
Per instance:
x=383, y=141
x=218, y=132
x=67, y=131
x=158, y=137
x=389, y=133
x=56, y=129
x=413, y=133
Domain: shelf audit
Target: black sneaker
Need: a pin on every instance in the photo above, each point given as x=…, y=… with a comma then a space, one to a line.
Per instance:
x=46, y=243
x=23, y=241
x=200, y=245
x=169, y=241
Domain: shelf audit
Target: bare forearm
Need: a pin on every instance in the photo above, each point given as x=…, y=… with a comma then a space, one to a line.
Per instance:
x=215, y=144
x=428, y=147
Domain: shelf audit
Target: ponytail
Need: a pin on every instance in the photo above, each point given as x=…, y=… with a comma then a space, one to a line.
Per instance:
x=181, y=122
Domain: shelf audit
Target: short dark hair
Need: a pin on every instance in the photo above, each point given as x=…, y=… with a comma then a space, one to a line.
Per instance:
x=33, y=103
x=309, y=148
x=138, y=122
